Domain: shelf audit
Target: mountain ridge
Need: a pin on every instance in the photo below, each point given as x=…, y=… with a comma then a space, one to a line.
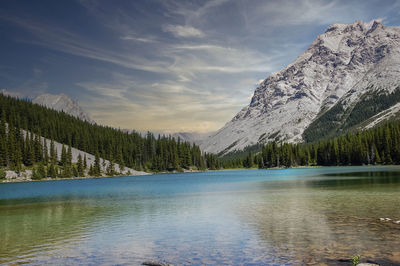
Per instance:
x=342, y=63
x=62, y=102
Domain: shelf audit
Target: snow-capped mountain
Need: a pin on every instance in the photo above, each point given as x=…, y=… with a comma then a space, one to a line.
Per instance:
x=343, y=65
x=62, y=102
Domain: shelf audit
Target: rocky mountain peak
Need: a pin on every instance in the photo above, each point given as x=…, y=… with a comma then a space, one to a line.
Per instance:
x=285, y=103
x=63, y=102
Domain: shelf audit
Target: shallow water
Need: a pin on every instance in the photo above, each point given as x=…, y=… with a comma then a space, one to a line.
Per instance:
x=245, y=217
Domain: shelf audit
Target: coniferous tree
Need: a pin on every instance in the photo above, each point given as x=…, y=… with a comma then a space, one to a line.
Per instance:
x=67, y=171
x=35, y=175
x=41, y=171
x=110, y=168
x=96, y=168
x=69, y=156
x=52, y=173
x=80, y=168
x=75, y=171
x=3, y=138
x=120, y=162
x=29, y=155
x=17, y=148
x=64, y=158
x=91, y=171
x=45, y=152
x=53, y=153
x=37, y=147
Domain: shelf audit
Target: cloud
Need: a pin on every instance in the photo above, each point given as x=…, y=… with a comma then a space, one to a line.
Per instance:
x=125, y=102
x=71, y=43
x=185, y=65
x=200, y=84
x=183, y=31
x=190, y=11
x=138, y=39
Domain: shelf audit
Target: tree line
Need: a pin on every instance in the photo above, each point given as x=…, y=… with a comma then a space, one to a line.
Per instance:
x=22, y=123
x=128, y=149
x=379, y=145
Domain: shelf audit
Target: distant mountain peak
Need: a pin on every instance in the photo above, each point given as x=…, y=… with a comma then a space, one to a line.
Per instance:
x=62, y=102
x=192, y=137
x=6, y=92
x=340, y=65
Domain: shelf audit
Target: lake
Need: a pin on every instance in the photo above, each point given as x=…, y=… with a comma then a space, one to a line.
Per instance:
x=244, y=217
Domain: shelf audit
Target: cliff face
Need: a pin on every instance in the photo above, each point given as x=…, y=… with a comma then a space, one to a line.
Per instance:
x=341, y=65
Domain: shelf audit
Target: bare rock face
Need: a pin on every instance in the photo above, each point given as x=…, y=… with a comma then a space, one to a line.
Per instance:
x=63, y=103
x=340, y=65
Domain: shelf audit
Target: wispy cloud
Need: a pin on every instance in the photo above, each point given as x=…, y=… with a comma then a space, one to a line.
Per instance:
x=62, y=40
x=128, y=103
x=183, y=31
x=178, y=65
x=138, y=39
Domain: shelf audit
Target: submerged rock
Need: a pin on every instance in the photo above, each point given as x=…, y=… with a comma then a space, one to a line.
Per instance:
x=389, y=220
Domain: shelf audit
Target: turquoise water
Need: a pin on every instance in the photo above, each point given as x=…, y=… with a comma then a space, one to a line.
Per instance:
x=244, y=217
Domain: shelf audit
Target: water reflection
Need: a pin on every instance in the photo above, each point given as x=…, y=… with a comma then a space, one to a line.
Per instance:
x=330, y=218
x=27, y=229
x=359, y=179
x=293, y=216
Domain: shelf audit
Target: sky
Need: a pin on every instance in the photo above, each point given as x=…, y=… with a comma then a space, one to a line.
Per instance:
x=163, y=66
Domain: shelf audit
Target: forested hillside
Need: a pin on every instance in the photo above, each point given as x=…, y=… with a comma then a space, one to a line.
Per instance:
x=127, y=149
x=380, y=145
x=339, y=119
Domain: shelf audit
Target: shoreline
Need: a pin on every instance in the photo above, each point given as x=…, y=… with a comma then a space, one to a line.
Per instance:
x=142, y=173
x=21, y=180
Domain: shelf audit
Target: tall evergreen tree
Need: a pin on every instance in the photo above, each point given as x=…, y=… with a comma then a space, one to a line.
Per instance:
x=53, y=153
x=64, y=159
x=79, y=166
x=52, y=171
x=97, y=167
